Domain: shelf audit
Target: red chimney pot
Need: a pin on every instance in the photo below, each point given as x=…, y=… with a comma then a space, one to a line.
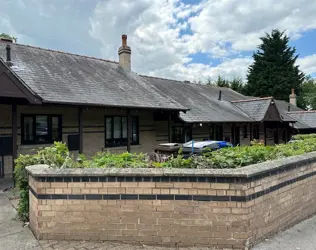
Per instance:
x=124, y=40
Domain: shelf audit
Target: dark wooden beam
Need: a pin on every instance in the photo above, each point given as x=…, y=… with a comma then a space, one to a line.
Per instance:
x=80, y=122
x=213, y=131
x=233, y=135
x=129, y=130
x=14, y=134
x=169, y=128
x=278, y=135
x=250, y=131
x=265, y=133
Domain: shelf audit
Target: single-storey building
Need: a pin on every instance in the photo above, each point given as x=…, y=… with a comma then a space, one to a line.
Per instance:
x=97, y=105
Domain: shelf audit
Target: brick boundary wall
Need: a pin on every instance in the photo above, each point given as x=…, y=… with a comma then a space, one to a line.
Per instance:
x=222, y=208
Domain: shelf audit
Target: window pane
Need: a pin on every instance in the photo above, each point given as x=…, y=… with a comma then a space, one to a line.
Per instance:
x=124, y=127
x=177, y=135
x=117, y=127
x=28, y=129
x=55, y=129
x=187, y=135
x=108, y=128
x=41, y=128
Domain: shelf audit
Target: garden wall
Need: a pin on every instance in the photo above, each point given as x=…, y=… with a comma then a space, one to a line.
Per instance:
x=224, y=208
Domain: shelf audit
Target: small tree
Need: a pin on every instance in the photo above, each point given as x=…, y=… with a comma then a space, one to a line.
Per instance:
x=274, y=71
x=237, y=85
x=221, y=82
x=6, y=36
x=209, y=81
x=308, y=96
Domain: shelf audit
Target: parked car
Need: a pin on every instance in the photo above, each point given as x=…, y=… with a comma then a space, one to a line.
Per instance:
x=198, y=147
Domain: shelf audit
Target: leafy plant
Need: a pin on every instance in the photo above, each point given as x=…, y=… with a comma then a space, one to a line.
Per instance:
x=124, y=160
x=304, y=137
x=56, y=156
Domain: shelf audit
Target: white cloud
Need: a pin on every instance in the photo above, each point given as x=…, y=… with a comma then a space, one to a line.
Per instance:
x=163, y=34
x=153, y=32
x=242, y=22
x=308, y=64
x=220, y=28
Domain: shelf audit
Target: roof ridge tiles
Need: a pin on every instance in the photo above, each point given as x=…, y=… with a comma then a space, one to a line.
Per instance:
x=161, y=78
x=185, y=82
x=301, y=111
x=253, y=99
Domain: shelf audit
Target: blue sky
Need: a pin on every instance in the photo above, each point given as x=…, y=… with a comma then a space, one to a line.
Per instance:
x=182, y=39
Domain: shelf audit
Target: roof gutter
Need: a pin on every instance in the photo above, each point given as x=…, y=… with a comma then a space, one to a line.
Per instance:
x=114, y=106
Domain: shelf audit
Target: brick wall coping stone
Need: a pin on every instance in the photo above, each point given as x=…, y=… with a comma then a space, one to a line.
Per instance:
x=259, y=169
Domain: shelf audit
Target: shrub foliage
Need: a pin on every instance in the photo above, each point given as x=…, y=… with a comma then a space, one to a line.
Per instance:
x=58, y=156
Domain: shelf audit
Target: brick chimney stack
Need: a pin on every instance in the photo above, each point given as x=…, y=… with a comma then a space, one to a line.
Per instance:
x=125, y=54
x=293, y=98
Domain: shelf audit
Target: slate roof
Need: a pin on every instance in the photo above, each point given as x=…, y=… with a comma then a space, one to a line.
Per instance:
x=306, y=119
x=283, y=105
x=283, y=108
x=59, y=77
x=254, y=108
x=202, y=100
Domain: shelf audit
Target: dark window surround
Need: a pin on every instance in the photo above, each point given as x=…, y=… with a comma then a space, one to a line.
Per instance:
x=50, y=140
x=121, y=141
x=219, y=132
x=245, y=131
x=256, y=131
x=186, y=130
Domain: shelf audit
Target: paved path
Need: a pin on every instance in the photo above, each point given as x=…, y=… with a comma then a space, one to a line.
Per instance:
x=300, y=237
x=12, y=233
x=13, y=236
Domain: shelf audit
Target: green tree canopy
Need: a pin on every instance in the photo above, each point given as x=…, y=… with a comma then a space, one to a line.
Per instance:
x=309, y=93
x=274, y=72
x=6, y=36
x=209, y=81
x=221, y=82
x=237, y=85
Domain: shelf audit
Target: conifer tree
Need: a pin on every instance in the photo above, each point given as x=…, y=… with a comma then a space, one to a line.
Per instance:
x=274, y=72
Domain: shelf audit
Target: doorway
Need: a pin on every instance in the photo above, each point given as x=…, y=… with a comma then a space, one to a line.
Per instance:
x=236, y=135
x=181, y=134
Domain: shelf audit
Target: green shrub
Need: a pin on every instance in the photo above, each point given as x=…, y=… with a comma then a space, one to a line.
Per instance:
x=56, y=156
x=124, y=160
x=178, y=162
x=246, y=155
x=303, y=137
x=239, y=156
